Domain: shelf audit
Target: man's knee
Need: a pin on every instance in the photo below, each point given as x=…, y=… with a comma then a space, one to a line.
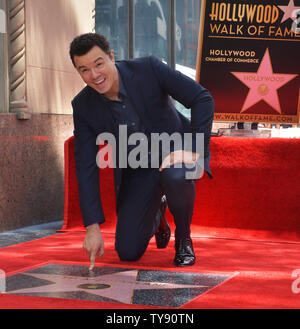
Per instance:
x=129, y=252
x=174, y=176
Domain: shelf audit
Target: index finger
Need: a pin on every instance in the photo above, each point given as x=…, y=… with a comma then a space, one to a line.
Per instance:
x=92, y=259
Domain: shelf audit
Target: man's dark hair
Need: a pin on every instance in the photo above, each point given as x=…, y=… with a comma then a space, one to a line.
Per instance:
x=82, y=44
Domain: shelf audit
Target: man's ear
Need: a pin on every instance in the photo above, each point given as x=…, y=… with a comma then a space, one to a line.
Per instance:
x=112, y=56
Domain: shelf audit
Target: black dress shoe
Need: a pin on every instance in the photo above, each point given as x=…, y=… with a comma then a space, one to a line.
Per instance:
x=163, y=233
x=184, y=255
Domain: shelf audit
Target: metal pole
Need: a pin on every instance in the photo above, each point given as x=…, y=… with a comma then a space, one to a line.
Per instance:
x=172, y=26
x=130, y=29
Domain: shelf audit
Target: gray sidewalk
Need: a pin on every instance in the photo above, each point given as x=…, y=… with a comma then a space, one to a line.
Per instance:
x=29, y=233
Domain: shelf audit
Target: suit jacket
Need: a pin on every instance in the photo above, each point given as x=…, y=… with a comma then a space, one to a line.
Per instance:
x=149, y=84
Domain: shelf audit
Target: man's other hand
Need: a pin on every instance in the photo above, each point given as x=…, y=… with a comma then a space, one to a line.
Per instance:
x=179, y=156
x=93, y=243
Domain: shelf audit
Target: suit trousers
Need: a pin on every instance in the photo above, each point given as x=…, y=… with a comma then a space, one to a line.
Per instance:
x=139, y=204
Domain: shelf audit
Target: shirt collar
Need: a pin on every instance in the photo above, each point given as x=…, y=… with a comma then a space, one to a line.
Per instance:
x=122, y=90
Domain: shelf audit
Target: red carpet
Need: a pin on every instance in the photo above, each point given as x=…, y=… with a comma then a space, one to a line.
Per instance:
x=263, y=278
x=254, y=196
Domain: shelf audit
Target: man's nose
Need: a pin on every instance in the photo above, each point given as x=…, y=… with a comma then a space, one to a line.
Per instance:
x=95, y=74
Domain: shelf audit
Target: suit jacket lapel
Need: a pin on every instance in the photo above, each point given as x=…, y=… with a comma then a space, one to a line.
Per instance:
x=132, y=85
x=100, y=105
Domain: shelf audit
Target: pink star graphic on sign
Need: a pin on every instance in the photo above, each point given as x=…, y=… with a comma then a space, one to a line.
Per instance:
x=263, y=84
x=289, y=11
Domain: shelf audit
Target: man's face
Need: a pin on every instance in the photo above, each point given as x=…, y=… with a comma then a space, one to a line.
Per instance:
x=98, y=70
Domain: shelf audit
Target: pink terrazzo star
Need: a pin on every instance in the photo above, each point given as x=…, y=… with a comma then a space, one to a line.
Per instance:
x=118, y=286
x=263, y=84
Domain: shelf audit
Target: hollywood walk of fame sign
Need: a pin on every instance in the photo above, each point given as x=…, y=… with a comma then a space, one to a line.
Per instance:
x=248, y=58
x=114, y=285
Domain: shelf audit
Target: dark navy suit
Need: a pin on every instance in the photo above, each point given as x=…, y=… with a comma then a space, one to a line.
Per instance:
x=149, y=84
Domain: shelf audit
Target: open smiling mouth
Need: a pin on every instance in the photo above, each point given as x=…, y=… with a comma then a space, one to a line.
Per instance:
x=99, y=82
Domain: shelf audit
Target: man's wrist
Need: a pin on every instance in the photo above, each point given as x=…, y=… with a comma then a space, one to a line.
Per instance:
x=92, y=227
x=195, y=155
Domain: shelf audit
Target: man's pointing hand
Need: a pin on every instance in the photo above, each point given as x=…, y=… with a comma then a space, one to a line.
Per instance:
x=93, y=243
